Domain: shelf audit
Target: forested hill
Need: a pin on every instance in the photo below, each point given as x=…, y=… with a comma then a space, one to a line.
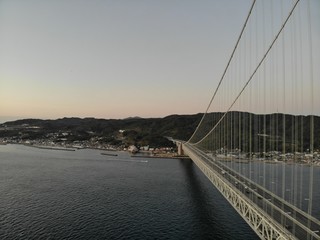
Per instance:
x=152, y=131
x=138, y=131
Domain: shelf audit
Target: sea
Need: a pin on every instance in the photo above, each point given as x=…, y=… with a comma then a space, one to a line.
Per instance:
x=81, y=194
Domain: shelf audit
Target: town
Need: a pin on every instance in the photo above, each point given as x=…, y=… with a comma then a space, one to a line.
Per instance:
x=62, y=140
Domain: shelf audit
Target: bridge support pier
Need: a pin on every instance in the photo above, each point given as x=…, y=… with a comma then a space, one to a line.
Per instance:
x=180, y=149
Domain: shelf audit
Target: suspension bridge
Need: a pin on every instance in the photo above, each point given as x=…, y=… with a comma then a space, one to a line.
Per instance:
x=258, y=141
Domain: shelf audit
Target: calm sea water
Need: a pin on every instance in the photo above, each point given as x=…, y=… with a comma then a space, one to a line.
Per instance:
x=49, y=194
x=288, y=181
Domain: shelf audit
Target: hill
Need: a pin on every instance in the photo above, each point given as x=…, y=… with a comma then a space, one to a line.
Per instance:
x=138, y=131
x=153, y=131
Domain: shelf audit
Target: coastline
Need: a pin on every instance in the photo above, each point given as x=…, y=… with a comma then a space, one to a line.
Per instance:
x=160, y=156
x=51, y=148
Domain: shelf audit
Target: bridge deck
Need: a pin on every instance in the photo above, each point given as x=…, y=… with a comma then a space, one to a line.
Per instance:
x=268, y=215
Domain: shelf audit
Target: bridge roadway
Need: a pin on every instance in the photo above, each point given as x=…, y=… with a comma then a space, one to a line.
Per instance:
x=288, y=221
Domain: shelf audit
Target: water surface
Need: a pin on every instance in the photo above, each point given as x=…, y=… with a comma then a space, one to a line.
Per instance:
x=50, y=194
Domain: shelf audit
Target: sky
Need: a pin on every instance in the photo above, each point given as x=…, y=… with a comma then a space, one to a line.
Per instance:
x=113, y=59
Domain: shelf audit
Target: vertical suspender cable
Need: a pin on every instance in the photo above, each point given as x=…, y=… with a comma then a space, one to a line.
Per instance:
x=254, y=72
x=311, y=117
x=283, y=118
x=225, y=71
x=301, y=106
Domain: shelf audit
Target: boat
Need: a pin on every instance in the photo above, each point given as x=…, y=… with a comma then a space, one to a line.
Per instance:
x=109, y=154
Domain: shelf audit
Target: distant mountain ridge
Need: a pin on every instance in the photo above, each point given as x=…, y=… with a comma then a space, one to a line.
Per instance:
x=136, y=130
x=144, y=131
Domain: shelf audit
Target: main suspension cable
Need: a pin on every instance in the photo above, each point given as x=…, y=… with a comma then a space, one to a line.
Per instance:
x=252, y=75
x=225, y=70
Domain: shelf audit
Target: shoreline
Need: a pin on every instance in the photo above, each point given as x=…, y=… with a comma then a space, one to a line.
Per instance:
x=51, y=148
x=155, y=156
x=73, y=149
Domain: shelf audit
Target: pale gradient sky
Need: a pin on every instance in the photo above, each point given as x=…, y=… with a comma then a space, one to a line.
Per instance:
x=114, y=59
